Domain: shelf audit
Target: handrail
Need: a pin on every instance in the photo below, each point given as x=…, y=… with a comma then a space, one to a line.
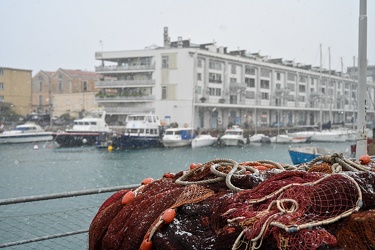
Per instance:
x=64, y=195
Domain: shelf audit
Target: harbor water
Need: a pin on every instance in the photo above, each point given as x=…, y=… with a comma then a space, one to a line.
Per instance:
x=27, y=171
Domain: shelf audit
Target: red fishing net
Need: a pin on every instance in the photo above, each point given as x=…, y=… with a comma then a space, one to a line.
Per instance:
x=276, y=210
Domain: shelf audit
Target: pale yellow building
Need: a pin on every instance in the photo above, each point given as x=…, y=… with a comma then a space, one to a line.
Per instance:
x=42, y=92
x=15, y=88
x=73, y=92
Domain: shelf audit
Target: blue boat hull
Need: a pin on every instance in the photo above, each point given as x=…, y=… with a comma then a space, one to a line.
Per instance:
x=300, y=157
x=125, y=141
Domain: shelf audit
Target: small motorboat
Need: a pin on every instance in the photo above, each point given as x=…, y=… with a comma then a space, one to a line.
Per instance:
x=281, y=139
x=203, y=140
x=178, y=137
x=28, y=132
x=301, y=155
x=262, y=138
x=233, y=137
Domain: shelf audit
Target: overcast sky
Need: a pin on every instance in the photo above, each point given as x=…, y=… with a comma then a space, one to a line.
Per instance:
x=47, y=35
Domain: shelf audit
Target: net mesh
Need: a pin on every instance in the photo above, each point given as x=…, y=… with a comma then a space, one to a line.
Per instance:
x=277, y=210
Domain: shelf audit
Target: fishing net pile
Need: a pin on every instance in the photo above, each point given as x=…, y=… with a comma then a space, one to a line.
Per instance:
x=328, y=203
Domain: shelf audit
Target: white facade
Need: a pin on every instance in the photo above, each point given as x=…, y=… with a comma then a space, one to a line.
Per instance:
x=204, y=86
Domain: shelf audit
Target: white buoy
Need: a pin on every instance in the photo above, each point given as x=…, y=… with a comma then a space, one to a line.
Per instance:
x=84, y=140
x=36, y=146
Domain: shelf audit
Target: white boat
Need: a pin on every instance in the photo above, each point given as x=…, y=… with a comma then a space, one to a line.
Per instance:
x=233, y=137
x=333, y=135
x=281, y=139
x=141, y=131
x=203, y=140
x=178, y=137
x=28, y=132
x=85, y=131
x=259, y=138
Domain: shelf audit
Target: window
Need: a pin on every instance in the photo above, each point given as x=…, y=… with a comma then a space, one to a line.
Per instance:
x=164, y=92
x=84, y=86
x=165, y=62
x=214, y=65
x=1, y=98
x=291, y=77
x=249, y=70
x=265, y=96
x=278, y=76
x=40, y=86
x=264, y=84
x=199, y=76
x=214, y=91
x=200, y=62
x=40, y=100
x=302, y=78
x=265, y=72
x=250, y=82
x=60, y=85
x=1, y=85
x=233, y=69
x=214, y=78
x=302, y=88
x=233, y=80
x=291, y=86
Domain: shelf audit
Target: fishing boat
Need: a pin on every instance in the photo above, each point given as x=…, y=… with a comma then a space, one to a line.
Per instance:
x=28, y=132
x=178, y=137
x=141, y=131
x=301, y=155
x=85, y=131
x=203, y=140
x=233, y=136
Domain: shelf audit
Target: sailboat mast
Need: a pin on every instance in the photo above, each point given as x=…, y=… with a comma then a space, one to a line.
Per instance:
x=361, y=137
x=320, y=91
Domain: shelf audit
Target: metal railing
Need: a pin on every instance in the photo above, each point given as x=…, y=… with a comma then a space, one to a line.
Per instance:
x=30, y=224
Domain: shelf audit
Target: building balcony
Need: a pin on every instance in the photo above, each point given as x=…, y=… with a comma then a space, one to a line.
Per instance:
x=128, y=110
x=125, y=83
x=108, y=98
x=124, y=68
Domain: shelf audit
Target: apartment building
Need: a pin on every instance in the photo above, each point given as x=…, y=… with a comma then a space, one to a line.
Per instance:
x=64, y=91
x=15, y=89
x=207, y=86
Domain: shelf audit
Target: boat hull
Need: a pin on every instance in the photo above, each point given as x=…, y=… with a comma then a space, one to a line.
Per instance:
x=125, y=141
x=203, y=141
x=176, y=143
x=301, y=157
x=25, y=138
x=76, y=139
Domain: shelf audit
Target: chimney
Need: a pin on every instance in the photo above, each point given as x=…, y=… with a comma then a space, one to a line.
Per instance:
x=179, y=42
x=166, y=38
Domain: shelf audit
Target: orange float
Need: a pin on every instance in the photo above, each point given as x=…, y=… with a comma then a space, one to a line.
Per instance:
x=128, y=197
x=168, y=215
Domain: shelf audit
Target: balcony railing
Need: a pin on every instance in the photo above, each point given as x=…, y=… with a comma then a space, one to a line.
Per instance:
x=125, y=98
x=100, y=69
x=124, y=83
x=128, y=110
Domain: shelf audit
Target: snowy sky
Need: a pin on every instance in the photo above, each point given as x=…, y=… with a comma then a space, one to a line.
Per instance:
x=47, y=35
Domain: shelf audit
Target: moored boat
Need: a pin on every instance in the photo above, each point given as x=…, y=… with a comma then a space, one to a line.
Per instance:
x=141, y=131
x=300, y=155
x=203, y=140
x=281, y=139
x=85, y=131
x=259, y=138
x=178, y=137
x=28, y=132
x=233, y=137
